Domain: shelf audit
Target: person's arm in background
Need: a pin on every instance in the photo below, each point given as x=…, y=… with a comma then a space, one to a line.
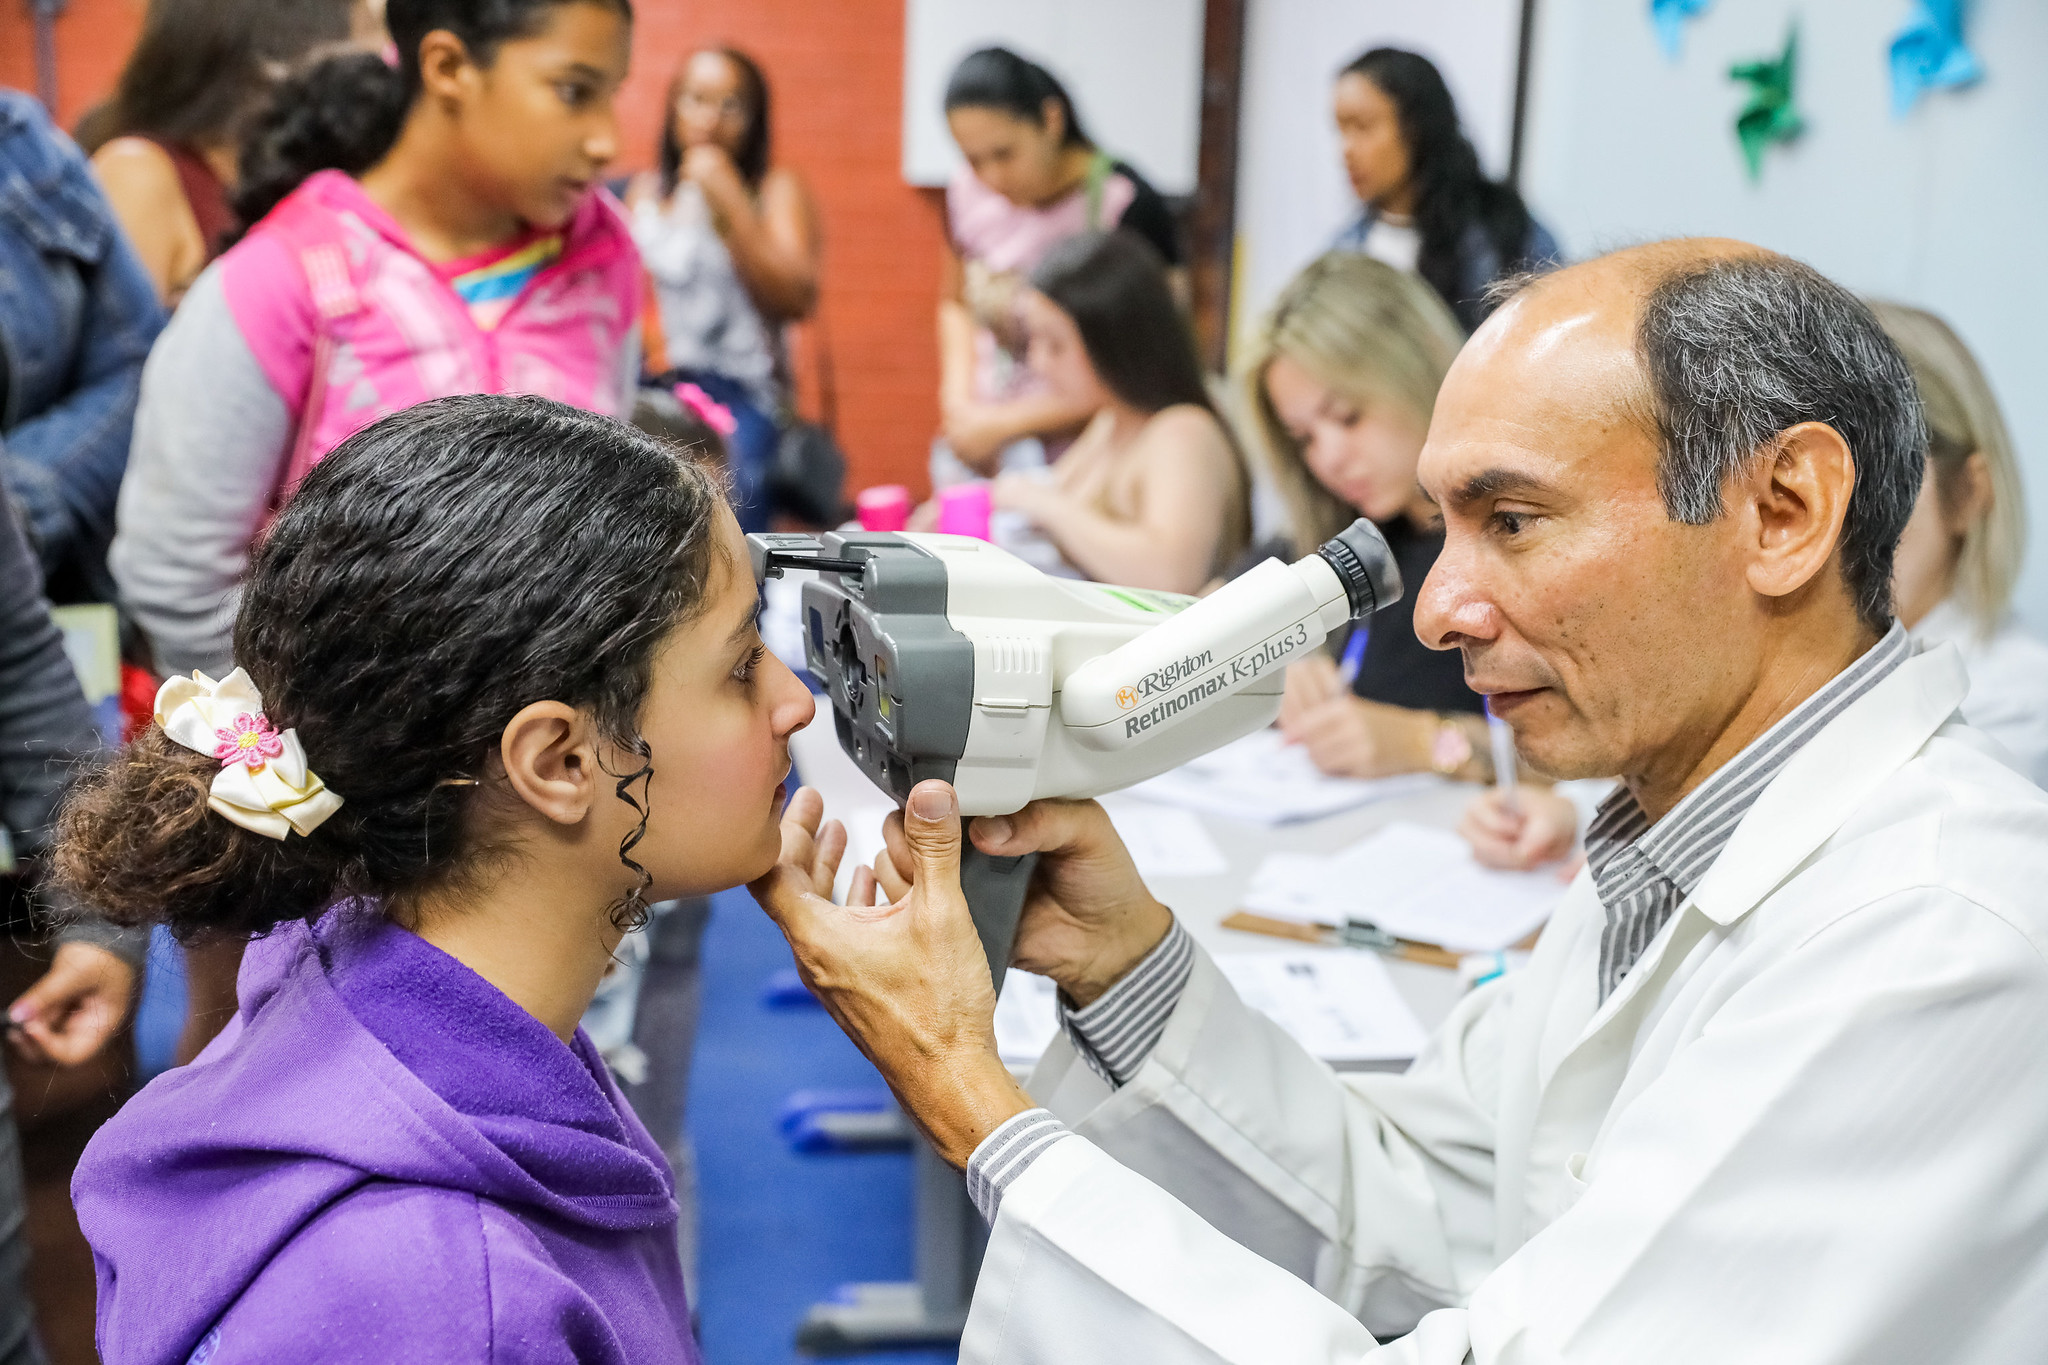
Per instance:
x=978, y=431
x=142, y=186
x=64, y=465
x=46, y=734
x=775, y=244
x=1348, y=736
x=1171, y=543
x=211, y=439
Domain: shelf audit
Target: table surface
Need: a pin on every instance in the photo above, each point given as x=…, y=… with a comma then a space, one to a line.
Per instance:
x=1204, y=902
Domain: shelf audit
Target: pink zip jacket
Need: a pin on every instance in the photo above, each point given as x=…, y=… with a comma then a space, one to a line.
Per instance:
x=322, y=320
x=329, y=265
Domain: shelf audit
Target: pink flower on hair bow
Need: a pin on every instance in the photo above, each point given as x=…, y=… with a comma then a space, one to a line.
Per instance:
x=709, y=410
x=263, y=784
x=250, y=741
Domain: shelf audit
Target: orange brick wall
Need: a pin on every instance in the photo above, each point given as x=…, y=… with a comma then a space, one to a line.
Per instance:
x=836, y=67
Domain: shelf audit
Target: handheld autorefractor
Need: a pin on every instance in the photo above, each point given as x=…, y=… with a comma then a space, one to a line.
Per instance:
x=947, y=657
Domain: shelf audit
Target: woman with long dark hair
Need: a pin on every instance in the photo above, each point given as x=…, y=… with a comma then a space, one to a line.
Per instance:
x=165, y=146
x=1032, y=178
x=732, y=246
x=1152, y=493
x=1428, y=207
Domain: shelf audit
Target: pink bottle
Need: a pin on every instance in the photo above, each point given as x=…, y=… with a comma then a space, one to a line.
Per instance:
x=885, y=507
x=963, y=510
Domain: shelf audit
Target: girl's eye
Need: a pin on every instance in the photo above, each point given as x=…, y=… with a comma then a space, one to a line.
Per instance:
x=751, y=661
x=574, y=96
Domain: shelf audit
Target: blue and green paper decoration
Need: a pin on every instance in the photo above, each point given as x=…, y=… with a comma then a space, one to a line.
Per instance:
x=1768, y=114
x=1929, y=53
x=1669, y=16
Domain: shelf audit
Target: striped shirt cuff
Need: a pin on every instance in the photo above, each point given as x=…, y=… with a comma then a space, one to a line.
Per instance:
x=1006, y=1153
x=1118, y=1032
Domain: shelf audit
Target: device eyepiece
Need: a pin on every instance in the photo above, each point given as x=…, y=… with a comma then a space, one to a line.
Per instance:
x=1365, y=566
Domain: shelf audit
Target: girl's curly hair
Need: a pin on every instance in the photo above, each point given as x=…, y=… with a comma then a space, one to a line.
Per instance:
x=441, y=570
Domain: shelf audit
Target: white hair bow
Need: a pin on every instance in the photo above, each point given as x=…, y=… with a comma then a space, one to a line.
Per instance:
x=264, y=784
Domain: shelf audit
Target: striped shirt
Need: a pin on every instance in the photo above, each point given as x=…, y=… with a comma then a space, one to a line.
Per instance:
x=1644, y=871
x=491, y=282
x=1114, y=1036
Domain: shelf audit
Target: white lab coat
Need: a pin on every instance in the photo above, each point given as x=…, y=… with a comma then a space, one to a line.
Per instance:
x=1810, y=1126
x=2008, y=682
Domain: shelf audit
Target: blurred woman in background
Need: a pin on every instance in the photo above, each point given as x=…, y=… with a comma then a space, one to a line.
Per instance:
x=165, y=147
x=1151, y=494
x=732, y=247
x=1427, y=205
x=1032, y=178
x=1339, y=385
x=1961, y=553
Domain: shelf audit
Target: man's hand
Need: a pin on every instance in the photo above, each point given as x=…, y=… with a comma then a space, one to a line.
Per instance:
x=908, y=980
x=68, y=1015
x=1347, y=736
x=1520, y=830
x=1088, y=918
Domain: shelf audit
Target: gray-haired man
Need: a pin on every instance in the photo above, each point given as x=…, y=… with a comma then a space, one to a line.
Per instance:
x=1770, y=1088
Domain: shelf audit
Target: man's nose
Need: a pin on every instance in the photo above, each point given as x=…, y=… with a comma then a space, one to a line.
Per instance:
x=1451, y=606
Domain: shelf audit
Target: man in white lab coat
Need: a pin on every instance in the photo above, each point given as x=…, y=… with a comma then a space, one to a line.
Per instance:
x=1771, y=1088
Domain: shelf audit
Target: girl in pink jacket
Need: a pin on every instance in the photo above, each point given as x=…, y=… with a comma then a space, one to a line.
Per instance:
x=463, y=245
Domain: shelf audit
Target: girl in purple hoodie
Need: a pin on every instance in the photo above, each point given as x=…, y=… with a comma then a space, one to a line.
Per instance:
x=498, y=686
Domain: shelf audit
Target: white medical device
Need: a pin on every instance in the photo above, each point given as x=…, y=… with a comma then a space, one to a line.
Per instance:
x=947, y=657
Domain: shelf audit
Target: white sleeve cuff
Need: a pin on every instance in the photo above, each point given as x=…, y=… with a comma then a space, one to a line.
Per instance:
x=1006, y=1153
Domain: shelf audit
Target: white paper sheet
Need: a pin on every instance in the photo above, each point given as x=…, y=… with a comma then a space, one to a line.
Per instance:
x=1166, y=842
x=1338, y=1003
x=1263, y=780
x=1414, y=881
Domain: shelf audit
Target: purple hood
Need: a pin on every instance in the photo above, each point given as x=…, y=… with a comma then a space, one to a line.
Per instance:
x=381, y=1156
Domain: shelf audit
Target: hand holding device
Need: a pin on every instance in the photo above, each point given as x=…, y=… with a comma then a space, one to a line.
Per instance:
x=946, y=657
x=907, y=980
x=1088, y=917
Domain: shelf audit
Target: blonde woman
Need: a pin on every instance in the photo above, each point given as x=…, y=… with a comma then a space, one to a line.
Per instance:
x=1338, y=388
x=1960, y=556
x=1952, y=583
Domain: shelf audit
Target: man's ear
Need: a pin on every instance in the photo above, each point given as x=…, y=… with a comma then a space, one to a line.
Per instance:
x=1799, y=496
x=550, y=755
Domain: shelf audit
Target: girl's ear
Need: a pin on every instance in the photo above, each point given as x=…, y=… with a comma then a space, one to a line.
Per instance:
x=550, y=755
x=446, y=71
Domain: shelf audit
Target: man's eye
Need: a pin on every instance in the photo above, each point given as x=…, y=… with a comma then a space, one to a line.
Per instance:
x=1510, y=523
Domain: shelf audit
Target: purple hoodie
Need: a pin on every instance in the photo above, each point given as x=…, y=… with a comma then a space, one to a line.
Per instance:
x=381, y=1158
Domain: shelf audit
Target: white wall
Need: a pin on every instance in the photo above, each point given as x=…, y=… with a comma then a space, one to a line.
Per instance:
x=1291, y=192
x=1133, y=67
x=1946, y=208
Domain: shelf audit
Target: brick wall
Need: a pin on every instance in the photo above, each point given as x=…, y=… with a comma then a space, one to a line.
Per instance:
x=836, y=67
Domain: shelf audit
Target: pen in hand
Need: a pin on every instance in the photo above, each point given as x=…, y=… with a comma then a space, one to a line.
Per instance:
x=1354, y=654
x=1503, y=756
